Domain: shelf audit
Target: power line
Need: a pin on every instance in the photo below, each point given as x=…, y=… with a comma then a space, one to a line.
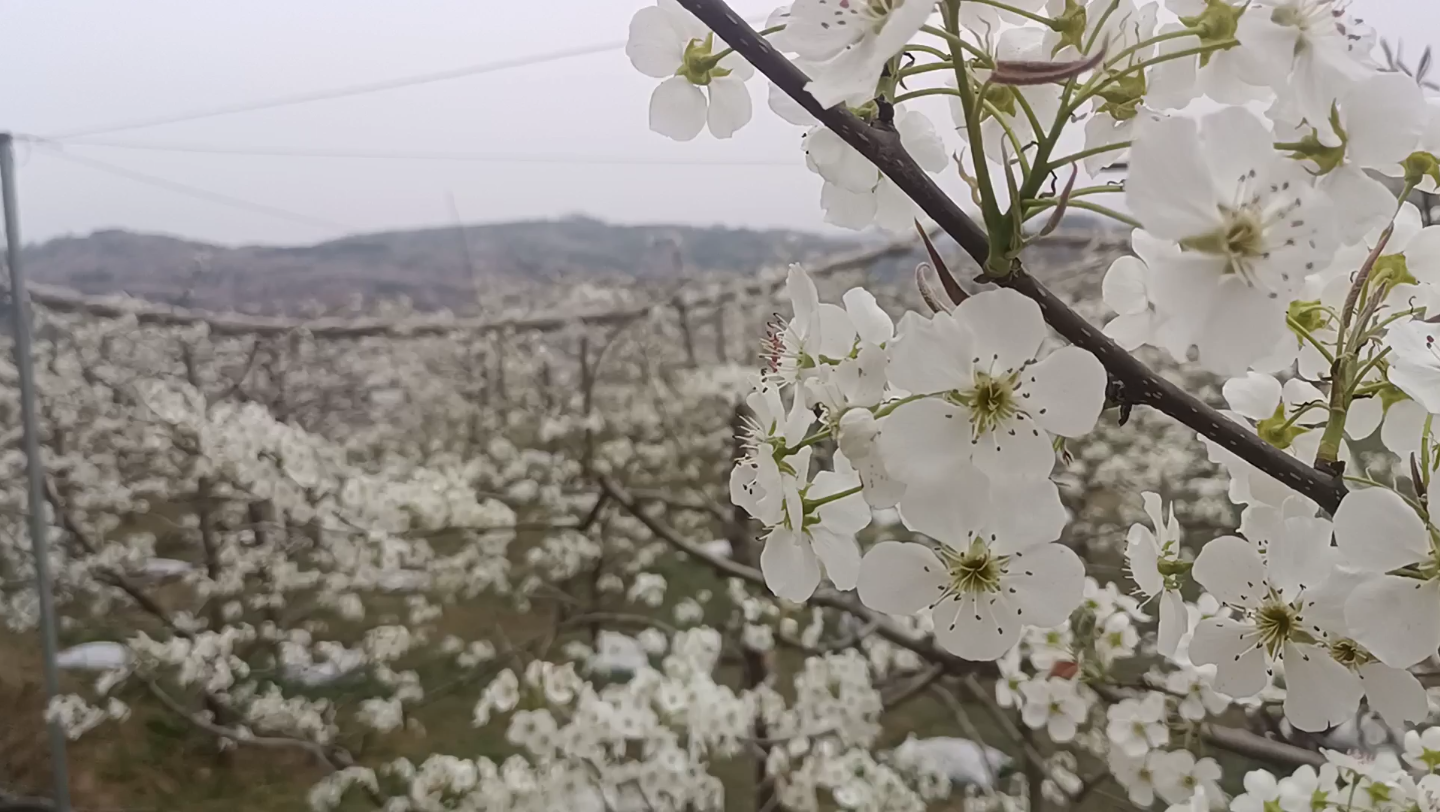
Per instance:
x=193, y=191
x=399, y=155
x=343, y=92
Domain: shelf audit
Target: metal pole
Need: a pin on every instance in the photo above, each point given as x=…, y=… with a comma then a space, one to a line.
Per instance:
x=34, y=465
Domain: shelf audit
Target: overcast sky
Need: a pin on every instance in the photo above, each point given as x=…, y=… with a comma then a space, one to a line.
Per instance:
x=72, y=65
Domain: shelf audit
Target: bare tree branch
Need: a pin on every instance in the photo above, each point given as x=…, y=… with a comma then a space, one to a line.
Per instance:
x=1139, y=384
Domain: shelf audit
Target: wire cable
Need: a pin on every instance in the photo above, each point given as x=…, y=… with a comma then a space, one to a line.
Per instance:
x=341, y=92
x=193, y=191
x=353, y=90
x=462, y=157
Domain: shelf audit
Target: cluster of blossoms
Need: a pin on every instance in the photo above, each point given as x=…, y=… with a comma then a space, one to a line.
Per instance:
x=1277, y=249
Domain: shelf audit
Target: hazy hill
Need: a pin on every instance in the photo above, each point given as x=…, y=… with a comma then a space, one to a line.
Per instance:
x=430, y=265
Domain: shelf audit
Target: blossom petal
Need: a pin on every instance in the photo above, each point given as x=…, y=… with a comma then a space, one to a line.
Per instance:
x=1256, y=396
x=1007, y=328
x=1175, y=199
x=871, y=322
x=1377, y=531
x=1403, y=427
x=930, y=355
x=677, y=109
x=1422, y=255
x=1230, y=568
x=1319, y=692
x=790, y=566
x=1142, y=555
x=1383, y=119
x=1232, y=648
x=923, y=438
x=730, y=106
x=1397, y=619
x=847, y=209
x=948, y=505
x=978, y=629
x=840, y=554
x=1018, y=450
x=1025, y=513
x=1395, y=694
x=655, y=47
x=1123, y=288
x=1236, y=142
x=1067, y=391
x=1362, y=202
x=1046, y=583
x=847, y=515
x=1173, y=623
x=900, y=578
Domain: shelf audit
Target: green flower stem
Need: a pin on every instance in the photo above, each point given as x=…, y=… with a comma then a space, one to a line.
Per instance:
x=1299, y=330
x=786, y=451
x=956, y=42
x=1014, y=139
x=1119, y=58
x=1086, y=153
x=928, y=67
x=926, y=91
x=885, y=409
x=834, y=497
x=1091, y=89
x=943, y=56
x=1365, y=370
x=1100, y=25
x=971, y=111
x=1048, y=203
x=1424, y=487
x=1029, y=115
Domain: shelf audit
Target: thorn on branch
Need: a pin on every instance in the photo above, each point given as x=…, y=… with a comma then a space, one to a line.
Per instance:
x=948, y=281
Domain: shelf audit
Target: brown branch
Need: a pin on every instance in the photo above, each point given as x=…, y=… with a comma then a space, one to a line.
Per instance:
x=335, y=759
x=881, y=144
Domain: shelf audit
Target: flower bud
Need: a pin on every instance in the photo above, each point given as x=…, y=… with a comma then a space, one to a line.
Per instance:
x=858, y=430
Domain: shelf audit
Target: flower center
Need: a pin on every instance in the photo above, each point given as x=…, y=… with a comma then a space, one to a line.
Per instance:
x=992, y=401
x=1349, y=653
x=1276, y=622
x=975, y=570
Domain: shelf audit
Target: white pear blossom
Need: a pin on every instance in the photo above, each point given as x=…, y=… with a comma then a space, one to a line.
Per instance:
x=818, y=528
x=669, y=43
x=1376, y=125
x=1396, y=617
x=1415, y=362
x=1137, y=726
x=1153, y=559
x=983, y=587
x=1249, y=224
x=1271, y=627
x=1308, y=50
x=998, y=397
x=1054, y=705
x=1181, y=777
x=856, y=194
x=848, y=42
x=756, y=483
